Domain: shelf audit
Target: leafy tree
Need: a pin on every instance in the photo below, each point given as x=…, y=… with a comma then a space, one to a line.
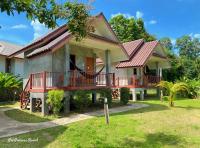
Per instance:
x=128, y=29
x=166, y=42
x=49, y=11
x=172, y=89
x=188, y=47
x=168, y=46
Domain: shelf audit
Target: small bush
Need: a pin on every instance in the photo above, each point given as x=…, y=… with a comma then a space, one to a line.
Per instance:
x=10, y=87
x=124, y=95
x=106, y=93
x=81, y=99
x=54, y=99
x=193, y=86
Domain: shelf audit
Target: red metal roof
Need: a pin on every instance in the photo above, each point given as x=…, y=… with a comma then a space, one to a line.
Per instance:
x=131, y=47
x=44, y=43
x=140, y=55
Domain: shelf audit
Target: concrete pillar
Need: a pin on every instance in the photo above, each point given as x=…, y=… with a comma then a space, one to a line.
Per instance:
x=67, y=65
x=142, y=76
x=94, y=97
x=134, y=96
x=108, y=66
x=45, y=110
x=141, y=94
x=145, y=92
x=157, y=74
x=67, y=103
x=160, y=74
x=32, y=104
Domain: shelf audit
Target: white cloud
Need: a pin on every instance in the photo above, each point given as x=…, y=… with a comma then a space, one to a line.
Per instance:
x=39, y=29
x=139, y=14
x=127, y=15
x=19, y=26
x=173, y=41
x=197, y=35
x=153, y=22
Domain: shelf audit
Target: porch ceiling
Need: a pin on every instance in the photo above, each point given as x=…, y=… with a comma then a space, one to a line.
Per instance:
x=99, y=47
x=162, y=63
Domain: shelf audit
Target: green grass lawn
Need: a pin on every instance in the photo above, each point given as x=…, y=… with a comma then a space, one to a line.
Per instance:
x=11, y=104
x=27, y=117
x=152, y=127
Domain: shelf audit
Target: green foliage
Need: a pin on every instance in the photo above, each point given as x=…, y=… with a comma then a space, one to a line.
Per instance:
x=188, y=47
x=129, y=29
x=54, y=99
x=124, y=95
x=106, y=93
x=49, y=11
x=10, y=86
x=168, y=47
x=172, y=89
x=81, y=99
x=193, y=86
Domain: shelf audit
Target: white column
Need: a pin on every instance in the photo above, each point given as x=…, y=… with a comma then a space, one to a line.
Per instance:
x=142, y=95
x=67, y=65
x=158, y=74
x=141, y=76
x=108, y=66
x=134, y=97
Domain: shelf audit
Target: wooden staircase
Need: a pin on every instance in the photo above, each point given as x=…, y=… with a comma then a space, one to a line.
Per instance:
x=25, y=95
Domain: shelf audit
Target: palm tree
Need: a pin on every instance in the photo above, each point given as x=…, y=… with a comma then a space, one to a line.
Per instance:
x=172, y=89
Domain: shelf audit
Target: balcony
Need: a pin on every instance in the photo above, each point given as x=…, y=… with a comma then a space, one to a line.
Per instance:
x=73, y=80
x=148, y=81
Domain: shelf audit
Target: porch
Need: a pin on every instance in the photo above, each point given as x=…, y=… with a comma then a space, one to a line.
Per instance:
x=72, y=80
x=148, y=81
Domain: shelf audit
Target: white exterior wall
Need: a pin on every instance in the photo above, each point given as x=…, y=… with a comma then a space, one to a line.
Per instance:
x=19, y=67
x=2, y=64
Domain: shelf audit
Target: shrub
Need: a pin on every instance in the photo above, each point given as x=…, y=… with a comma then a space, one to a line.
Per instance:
x=106, y=93
x=54, y=99
x=81, y=99
x=124, y=95
x=194, y=88
x=10, y=86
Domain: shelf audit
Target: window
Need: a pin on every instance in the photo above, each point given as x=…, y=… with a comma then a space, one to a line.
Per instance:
x=8, y=66
x=135, y=71
x=72, y=62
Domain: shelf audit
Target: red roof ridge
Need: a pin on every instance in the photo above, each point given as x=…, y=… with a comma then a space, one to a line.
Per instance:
x=133, y=41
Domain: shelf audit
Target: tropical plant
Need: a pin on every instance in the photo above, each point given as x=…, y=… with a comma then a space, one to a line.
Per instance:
x=106, y=93
x=193, y=86
x=124, y=95
x=10, y=86
x=81, y=99
x=172, y=89
x=54, y=99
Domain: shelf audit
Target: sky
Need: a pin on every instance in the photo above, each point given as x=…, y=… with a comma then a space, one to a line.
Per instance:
x=163, y=18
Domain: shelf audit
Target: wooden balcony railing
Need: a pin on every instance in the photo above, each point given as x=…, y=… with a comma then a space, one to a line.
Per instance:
x=50, y=80
x=134, y=82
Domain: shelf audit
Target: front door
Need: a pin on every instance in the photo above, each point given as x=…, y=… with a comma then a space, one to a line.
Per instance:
x=89, y=65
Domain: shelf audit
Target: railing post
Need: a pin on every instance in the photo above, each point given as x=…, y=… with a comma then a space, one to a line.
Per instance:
x=31, y=81
x=73, y=77
x=113, y=79
x=44, y=80
x=133, y=80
